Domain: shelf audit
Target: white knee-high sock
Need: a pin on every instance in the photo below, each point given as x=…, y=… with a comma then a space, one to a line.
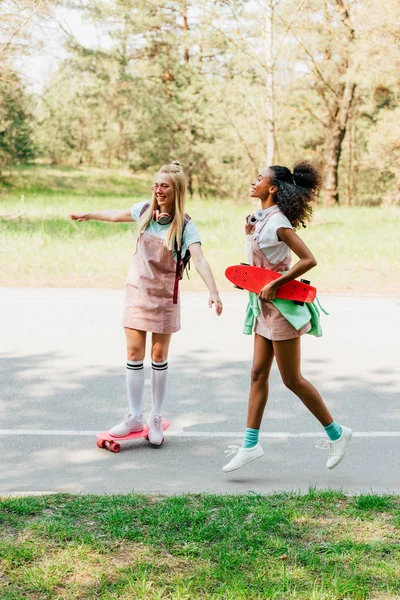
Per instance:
x=159, y=379
x=135, y=386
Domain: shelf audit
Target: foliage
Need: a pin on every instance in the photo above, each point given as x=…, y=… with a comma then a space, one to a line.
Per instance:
x=190, y=81
x=41, y=246
x=15, y=123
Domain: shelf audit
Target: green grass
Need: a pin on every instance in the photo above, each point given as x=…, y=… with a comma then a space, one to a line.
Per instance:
x=320, y=546
x=356, y=248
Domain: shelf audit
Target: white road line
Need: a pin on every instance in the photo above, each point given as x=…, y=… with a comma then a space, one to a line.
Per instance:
x=197, y=434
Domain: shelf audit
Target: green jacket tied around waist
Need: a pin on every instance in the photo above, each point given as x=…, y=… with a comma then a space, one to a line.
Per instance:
x=297, y=315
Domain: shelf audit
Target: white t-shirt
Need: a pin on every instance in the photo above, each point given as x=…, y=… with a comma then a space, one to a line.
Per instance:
x=190, y=233
x=272, y=248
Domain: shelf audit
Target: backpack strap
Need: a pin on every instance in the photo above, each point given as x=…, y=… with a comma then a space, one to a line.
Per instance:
x=179, y=262
x=144, y=208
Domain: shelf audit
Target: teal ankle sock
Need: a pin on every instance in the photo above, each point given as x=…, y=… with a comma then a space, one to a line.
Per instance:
x=250, y=438
x=334, y=431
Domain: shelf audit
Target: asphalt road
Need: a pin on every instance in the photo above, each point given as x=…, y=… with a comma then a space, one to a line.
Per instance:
x=62, y=373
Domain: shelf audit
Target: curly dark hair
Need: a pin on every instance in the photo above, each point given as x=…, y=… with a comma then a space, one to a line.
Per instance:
x=296, y=191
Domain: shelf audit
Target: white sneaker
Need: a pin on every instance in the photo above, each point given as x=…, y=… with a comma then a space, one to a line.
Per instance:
x=156, y=432
x=338, y=448
x=128, y=424
x=242, y=457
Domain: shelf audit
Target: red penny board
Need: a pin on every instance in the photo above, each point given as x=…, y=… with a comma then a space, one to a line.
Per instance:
x=105, y=436
x=253, y=279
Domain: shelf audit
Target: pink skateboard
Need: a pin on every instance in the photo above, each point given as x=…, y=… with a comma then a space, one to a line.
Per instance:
x=108, y=441
x=253, y=279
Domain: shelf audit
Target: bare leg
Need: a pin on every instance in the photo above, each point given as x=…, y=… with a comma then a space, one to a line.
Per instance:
x=287, y=354
x=135, y=344
x=250, y=449
x=262, y=362
x=160, y=346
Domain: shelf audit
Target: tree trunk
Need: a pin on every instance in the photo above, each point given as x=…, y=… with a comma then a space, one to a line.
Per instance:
x=397, y=196
x=269, y=60
x=339, y=111
x=189, y=177
x=185, y=29
x=350, y=160
x=335, y=132
x=332, y=169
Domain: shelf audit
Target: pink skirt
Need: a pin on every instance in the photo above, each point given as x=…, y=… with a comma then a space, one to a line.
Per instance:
x=272, y=325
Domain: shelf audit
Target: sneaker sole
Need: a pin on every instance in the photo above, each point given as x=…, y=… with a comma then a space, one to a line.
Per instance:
x=225, y=470
x=345, y=450
x=155, y=444
x=121, y=435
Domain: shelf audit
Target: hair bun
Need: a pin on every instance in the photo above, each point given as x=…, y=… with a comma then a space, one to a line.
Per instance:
x=307, y=175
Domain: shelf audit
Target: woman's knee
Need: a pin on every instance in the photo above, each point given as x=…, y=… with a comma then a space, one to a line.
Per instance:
x=292, y=381
x=159, y=354
x=258, y=375
x=134, y=353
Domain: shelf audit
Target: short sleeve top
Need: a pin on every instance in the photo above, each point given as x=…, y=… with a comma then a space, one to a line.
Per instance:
x=190, y=233
x=273, y=249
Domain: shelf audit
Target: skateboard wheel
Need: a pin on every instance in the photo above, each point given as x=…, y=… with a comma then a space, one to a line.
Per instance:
x=114, y=447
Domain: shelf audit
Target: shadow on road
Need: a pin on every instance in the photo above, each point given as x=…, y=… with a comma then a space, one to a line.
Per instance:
x=43, y=392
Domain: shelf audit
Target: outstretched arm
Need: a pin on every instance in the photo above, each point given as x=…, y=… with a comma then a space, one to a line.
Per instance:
x=113, y=216
x=204, y=270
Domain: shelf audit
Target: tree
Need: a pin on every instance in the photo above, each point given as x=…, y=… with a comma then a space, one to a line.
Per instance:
x=221, y=84
x=325, y=35
x=15, y=124
x=19, y=21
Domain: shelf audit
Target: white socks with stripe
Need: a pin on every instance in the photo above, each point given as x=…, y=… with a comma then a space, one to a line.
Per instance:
x=135, y=386
x=159, y=378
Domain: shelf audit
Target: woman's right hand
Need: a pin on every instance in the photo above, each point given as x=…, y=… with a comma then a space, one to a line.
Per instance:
x=80, y=217
x=248, y=227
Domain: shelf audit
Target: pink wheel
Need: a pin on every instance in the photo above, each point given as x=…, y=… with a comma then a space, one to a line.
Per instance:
x=114, y=447
x=101, y=443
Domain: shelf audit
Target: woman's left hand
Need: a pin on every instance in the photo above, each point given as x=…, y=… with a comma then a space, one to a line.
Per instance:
x=216, y=300
x=268, y=292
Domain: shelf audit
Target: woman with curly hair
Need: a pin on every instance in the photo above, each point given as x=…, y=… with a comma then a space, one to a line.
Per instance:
x=286, y=203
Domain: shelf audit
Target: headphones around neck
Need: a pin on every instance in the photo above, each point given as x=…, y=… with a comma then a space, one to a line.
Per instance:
x=257, y=216
x=161, y=218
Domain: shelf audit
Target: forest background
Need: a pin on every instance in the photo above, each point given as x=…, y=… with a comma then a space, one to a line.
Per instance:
x=226, y=88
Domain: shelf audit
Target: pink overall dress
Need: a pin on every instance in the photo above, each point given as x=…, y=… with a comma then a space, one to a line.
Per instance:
x=150, y=287
x=271, y=324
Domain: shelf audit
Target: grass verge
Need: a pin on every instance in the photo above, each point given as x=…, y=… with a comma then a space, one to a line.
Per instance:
x=356, y=248
x=319, y=546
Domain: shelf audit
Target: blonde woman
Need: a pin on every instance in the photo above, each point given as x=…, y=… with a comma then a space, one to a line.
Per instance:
x=165, y=236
